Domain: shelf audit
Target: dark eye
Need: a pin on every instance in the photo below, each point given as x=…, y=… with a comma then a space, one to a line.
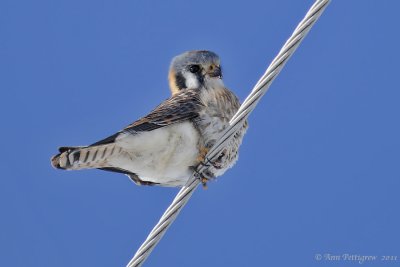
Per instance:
x=194, y=68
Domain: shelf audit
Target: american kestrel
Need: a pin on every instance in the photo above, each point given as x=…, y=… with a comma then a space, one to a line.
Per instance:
x=165, y=146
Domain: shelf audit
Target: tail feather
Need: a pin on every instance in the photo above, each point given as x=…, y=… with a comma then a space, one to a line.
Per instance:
x=76, y=158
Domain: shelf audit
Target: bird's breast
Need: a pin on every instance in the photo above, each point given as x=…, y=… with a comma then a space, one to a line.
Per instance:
x=220, y=105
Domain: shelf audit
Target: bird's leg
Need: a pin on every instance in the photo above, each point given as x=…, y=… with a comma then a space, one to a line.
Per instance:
x=202, y=154
x=203, y=161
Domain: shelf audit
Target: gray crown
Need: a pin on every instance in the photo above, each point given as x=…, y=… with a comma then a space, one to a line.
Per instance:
x=199, y=57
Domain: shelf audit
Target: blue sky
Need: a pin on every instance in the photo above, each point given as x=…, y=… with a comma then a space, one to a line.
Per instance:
x=318, y=170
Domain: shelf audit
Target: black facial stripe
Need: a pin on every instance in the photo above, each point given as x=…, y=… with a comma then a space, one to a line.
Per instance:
x=180, y=81
x=199, y=77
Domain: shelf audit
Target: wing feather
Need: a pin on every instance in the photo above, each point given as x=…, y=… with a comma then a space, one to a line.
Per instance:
x=179, y=107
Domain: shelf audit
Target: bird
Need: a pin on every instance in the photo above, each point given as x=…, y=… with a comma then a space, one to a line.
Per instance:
x=165, y=146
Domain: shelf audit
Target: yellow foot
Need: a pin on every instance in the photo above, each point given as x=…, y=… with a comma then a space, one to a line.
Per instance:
x=202, y=154
x=204, y=182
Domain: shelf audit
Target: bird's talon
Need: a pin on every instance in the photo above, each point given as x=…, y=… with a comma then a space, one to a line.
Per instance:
x=202, y=154
x=204, y=182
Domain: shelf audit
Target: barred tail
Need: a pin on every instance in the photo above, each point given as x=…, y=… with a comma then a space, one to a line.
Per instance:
x=76, y=158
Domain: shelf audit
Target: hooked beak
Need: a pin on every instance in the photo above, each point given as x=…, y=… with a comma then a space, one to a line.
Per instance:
x=215, y=71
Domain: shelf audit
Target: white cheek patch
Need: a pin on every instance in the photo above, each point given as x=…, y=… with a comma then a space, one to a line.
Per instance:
x=191, y=80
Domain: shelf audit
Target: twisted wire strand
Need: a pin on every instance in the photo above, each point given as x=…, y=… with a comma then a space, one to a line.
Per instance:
x=235, y=123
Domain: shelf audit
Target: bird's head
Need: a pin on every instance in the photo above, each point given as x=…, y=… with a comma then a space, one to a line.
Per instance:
x=194, y=69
